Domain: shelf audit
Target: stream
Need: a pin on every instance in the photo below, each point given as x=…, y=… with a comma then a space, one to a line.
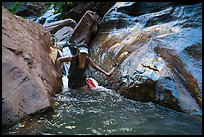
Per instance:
x=104, y=112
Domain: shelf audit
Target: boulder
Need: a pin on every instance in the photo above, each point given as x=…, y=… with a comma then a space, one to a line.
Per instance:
x=146, y=8
x=64, y=34
x=85, y=29
x=55, y=26
x=151, y=53
x=31, y=9
x=28, y=74
x=103, y=7
x=142, y=8
x=77, y=12
x=166, y=93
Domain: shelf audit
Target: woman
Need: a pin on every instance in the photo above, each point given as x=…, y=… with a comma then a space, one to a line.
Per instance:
x=79, y=64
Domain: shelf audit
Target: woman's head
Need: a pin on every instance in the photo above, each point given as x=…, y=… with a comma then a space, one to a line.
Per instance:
x=83, y=49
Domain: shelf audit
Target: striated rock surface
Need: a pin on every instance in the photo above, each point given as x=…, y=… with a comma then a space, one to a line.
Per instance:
x=28, y=74
x=55, y=26
x=154, y=52
x=85, y=29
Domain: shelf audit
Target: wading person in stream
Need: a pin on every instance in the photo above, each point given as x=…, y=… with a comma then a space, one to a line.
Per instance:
x=79, y=64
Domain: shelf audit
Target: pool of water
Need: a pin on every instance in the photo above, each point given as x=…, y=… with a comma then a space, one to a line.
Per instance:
x=105, y=112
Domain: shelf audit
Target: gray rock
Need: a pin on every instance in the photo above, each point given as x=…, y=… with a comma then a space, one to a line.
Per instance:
x=166, y=93
x=146, y=47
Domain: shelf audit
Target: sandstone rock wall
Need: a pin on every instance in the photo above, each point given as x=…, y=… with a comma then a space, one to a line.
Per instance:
x=28, y=74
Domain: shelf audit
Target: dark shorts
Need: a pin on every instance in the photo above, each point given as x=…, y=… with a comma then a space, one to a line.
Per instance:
x=76, y=83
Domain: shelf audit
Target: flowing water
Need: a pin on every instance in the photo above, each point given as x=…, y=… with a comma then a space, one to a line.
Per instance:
x=49, y=16
x=105, y=112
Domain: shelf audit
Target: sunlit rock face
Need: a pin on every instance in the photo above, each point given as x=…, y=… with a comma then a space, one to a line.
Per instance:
x=154, y=55
x=28, y=73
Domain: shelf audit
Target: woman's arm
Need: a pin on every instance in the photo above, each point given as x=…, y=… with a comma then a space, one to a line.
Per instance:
x=94, y=66
x=59, y=65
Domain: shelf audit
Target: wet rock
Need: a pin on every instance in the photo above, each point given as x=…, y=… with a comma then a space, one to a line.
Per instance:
x=64, y=34
x=164, y=18
x=28, y=74
x=77, y=12
x=145, y=47
x=55, y=26
x=166, y=93
x=42, y=20
x=85, y=29
x=187, y=73
x=139, y=8
x=169, y=92
x=195, y=51
x=103, y=7
x=113, y=21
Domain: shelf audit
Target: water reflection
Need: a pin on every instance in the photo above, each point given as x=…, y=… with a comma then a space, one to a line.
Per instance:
x=105, y=112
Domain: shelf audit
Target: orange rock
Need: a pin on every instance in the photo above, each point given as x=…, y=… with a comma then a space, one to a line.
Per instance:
x=28, y=74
